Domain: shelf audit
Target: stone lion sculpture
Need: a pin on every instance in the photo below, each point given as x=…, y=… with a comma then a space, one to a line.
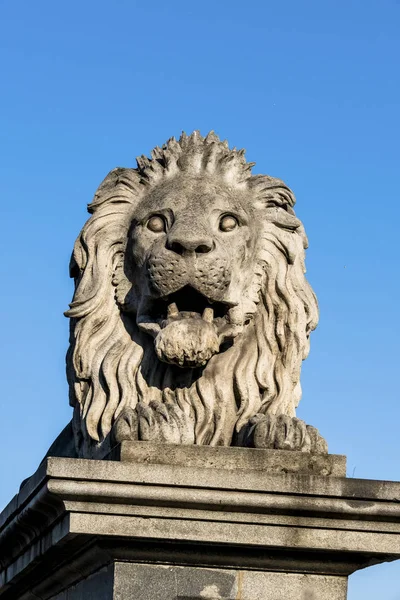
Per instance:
x=191, y=313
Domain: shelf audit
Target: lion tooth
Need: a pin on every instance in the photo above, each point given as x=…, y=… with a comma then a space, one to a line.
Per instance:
x=208, y=314
x=172, y=310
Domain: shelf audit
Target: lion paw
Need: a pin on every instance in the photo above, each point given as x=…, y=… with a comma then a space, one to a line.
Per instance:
x=162, y=422
x=281, y=432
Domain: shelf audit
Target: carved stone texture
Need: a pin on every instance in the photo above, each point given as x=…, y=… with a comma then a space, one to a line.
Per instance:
x=191, y=314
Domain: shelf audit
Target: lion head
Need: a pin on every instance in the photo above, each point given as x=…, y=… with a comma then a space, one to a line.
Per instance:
x=189, y=291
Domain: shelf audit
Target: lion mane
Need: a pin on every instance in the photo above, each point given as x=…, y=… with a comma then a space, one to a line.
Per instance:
x=111, y=364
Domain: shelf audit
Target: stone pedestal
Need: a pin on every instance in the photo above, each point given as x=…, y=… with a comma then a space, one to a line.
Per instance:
x=169, y=523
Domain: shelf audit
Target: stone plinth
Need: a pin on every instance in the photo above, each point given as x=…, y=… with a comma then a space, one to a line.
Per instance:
x=86, y=529
x=230, y=458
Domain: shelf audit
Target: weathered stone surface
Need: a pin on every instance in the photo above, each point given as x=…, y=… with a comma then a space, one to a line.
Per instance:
x=126, y=581
x=234, y=459
x=191, y=314
x=288, y=533
x=149, y=582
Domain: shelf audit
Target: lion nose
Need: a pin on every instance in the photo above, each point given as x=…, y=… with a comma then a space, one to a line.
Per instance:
x=189, y=245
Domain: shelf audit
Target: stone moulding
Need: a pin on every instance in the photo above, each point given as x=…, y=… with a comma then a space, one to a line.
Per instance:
x=75, y=516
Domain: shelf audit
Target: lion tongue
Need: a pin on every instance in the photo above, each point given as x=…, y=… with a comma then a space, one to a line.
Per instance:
x=187, y=341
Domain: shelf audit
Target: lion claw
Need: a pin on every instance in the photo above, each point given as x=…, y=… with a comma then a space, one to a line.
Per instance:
x=126, y=426
x=281, y=432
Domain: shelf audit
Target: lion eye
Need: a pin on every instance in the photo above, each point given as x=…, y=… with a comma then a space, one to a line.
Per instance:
x=228, y=223
x=156, y=224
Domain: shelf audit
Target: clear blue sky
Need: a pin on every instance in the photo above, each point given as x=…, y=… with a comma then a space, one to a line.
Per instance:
x=309, y=87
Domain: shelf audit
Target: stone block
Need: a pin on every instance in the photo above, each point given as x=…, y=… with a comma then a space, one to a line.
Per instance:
x=233, y=459
x=152, y=582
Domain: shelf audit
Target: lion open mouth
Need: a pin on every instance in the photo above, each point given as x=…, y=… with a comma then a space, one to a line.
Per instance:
x=184, y=303
x=187, y=326
x=189, y=303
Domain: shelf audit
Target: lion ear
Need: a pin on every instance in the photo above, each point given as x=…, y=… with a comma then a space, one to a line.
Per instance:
x=128, y=183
